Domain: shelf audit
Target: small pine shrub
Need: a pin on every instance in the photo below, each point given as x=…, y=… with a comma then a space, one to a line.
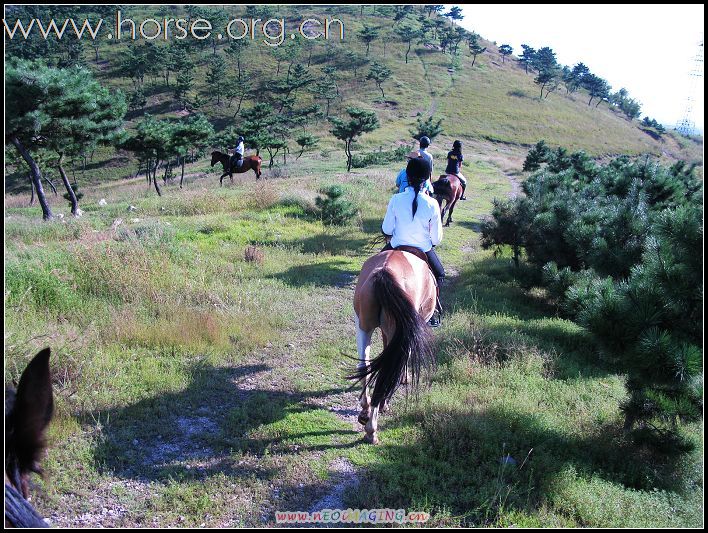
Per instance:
x=333, y=209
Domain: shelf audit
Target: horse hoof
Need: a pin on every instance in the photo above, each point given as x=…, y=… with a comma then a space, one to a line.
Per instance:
x=363, y=419
x=371, y=438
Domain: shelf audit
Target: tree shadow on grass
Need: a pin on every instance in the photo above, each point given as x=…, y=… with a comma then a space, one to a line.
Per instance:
x=333, y=244
x=474, y=226
x=210, y=426
x=457, y=462
x=334, y=273
x=513, y=316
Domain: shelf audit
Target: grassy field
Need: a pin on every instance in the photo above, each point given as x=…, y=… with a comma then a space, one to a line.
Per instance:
x=201, y=339
x=194, y=387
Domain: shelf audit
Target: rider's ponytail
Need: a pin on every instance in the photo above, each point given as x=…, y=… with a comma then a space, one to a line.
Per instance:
x=417, y=171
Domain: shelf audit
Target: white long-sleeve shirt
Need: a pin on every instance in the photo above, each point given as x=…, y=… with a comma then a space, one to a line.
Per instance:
x=239, y=148
x=422, y=231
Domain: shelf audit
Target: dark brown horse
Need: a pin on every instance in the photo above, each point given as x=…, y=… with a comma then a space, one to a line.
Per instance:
x=27, y=414
x=448, y=188
x=252, y=162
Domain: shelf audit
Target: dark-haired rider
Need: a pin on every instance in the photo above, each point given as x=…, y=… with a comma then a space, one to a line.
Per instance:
x=413, y=219
x=454, y=164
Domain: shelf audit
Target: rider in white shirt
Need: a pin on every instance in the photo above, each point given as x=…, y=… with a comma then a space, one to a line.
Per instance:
x=413, y=219
x=237, y=158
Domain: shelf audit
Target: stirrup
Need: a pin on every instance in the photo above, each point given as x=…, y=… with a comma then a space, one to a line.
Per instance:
x=434, y=321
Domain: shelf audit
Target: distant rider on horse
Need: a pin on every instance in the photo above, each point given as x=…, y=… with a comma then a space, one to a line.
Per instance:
x=454, y=164
x=237, y=157
x=413, y=220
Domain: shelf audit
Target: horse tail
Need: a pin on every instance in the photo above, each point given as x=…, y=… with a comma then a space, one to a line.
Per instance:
x=410, y=348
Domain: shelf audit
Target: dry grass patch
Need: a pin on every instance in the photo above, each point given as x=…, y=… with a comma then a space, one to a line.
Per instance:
x=193, y=330
x=254, y=254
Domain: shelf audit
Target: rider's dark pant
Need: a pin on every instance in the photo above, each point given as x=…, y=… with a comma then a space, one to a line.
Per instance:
x=436, y=265
x=235, y=159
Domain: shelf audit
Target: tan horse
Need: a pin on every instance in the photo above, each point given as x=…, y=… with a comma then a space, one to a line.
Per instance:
x=396, y=291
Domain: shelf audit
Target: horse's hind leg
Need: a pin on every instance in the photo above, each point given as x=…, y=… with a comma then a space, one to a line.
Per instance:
x=444, y=210
x=449, y=216
x=363, y=348
x=372, y=426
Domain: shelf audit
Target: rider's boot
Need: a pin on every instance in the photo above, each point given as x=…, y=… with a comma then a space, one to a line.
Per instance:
x=464, y=186
x=436, y=320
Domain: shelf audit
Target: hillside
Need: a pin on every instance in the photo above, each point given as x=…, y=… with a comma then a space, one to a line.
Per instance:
x=201, y=340
x=493, y=107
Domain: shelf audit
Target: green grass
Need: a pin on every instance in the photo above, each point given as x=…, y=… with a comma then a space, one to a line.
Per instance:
x=194, y=387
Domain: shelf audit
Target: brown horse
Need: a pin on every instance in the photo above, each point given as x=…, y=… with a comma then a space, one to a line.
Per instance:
x=448, y=188
x=396, y=291
x=27, y=414
x=252, y=162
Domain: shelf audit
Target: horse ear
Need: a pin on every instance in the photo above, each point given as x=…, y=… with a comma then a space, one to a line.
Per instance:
x=32, y=412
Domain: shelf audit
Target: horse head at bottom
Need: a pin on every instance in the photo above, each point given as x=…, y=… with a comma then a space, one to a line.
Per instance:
x=28, y=411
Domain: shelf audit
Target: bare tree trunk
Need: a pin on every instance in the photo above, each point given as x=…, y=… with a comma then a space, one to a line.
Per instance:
x=349, y=155
x=240, y=101
x=51, y=184
x=154, y=178
x=181, y=180
x=69, y=189
x=36, y=177
x=29, y=176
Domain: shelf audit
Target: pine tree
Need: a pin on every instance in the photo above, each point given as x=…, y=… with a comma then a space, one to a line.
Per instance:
x=368, y=34
x=527, y=57
x=537, y=155
x=505, y=50
x=216, y=77
x=360, y=122
x=475, y=48
x=430, y=127
x=379, y=73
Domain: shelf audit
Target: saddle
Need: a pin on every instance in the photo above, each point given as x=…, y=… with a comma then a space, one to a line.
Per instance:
x=415, y=251
x=420, y=255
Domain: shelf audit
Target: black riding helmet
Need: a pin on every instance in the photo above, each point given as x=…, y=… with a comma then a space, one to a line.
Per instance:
x=457, y=145
x=424, y=142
